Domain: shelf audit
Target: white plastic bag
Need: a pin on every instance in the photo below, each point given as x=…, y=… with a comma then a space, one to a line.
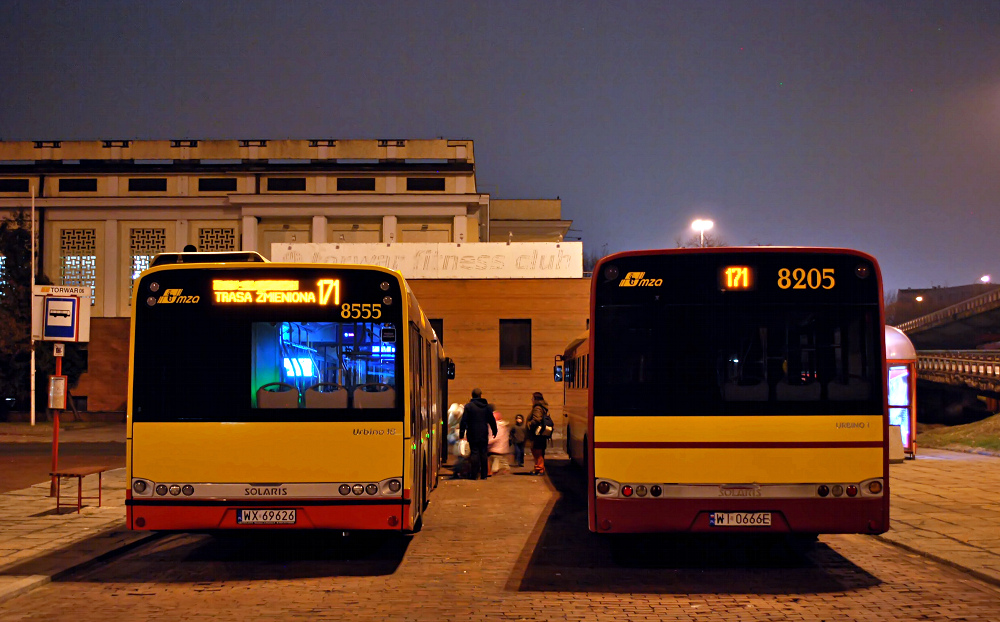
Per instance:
x=462, y=448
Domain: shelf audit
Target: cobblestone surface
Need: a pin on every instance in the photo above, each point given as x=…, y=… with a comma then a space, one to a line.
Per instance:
x=514, y=547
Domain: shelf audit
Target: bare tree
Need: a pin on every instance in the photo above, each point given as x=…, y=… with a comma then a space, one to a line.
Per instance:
x=695, y=241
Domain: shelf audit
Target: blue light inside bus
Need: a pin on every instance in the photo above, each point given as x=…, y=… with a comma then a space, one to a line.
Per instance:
x=299, y=368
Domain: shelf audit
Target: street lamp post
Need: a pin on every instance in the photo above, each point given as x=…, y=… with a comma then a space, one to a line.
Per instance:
x=701, y=226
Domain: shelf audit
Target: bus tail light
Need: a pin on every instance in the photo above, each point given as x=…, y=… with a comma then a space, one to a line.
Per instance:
x=875, y=487
x=604, y=487
x=640, y=491
x=140, y=486
x=852, y=491
x=656, y=490
x=823, y=490
x=161, y=489
x=626, y=491
x=838, y=490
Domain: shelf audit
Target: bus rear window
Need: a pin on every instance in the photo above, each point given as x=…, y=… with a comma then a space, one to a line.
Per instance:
x=732, y=360
x=332, y=365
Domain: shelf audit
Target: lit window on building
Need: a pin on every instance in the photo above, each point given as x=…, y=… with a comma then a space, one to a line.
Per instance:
x=145, y=244
x=78, y=259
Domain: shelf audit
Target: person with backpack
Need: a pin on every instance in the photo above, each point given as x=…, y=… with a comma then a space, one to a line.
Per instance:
x=540, y=428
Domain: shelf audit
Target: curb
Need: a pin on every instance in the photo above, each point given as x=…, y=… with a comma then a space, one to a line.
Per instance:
x=27, y=583
x=991, y=579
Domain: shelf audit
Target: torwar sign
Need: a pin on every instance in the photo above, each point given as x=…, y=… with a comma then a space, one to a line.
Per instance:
x=477, y=260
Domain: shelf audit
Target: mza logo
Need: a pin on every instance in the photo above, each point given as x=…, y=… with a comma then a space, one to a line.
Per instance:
x=174, y=296
x=635, y=279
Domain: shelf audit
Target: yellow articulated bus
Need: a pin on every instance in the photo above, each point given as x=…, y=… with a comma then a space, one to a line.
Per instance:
x=280, y=396
x=732, y=390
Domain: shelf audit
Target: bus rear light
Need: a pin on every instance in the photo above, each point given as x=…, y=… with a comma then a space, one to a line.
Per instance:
x=161, y=489
x=371, y=489
x=393, y=521
x=175, y=489
x=656, y=491
x=345, y=489
x=140, y=486
x=358, y=489
x=140, y=522
x=395, y=485
x=838, y=490
x=852, y=491
x=604, y=487
x=875, y=487
x=640, y=490
x=187, y=489
x=823, y=490
x=626, y=491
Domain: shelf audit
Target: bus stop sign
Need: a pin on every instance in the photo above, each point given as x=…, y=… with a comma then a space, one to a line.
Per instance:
x=62, y=318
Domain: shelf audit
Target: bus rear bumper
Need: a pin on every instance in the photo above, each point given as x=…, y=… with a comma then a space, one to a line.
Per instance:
x=196, y=517
x=867, y=515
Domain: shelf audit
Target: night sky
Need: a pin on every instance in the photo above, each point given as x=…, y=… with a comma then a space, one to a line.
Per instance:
x=872, y=125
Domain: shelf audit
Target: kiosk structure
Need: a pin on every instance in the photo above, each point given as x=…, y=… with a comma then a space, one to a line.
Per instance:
x=901, y=358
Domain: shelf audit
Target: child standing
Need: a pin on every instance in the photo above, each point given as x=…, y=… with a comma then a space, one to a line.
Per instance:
x=518, y=434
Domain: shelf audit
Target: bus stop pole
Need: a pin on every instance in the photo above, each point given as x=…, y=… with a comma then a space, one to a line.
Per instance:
x=55, y=437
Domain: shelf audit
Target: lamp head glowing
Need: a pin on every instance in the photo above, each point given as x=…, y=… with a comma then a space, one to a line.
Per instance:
x=985, y=278
x=702, y=225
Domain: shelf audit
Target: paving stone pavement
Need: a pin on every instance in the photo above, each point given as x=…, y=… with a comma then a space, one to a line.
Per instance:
x=945, y=506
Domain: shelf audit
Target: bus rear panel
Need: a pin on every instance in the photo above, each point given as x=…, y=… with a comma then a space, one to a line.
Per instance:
x=738, y=390
x=276, y=396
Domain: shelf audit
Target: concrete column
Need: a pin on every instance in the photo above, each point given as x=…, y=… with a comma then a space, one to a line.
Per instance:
x=249, y=238
x=181, y=239
x=389, y=234
x=319, y=229
x=461, y=229
x=110, y=279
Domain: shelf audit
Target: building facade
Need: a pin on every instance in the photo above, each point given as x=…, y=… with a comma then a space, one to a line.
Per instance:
x=106, y=208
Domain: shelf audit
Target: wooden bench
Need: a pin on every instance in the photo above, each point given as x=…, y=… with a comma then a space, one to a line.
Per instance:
x=79, y=473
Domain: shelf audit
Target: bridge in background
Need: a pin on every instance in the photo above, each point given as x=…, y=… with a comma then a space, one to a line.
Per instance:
x=952, y=374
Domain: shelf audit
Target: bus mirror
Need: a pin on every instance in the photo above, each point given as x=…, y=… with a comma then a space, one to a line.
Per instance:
x=557, y=373
x=450, y=367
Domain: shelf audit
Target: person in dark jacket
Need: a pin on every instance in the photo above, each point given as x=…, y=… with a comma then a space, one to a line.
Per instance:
x=539, y=408
x=518, y=434
x=477, y=423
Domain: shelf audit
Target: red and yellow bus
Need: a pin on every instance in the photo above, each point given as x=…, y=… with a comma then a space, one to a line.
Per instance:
x=732, y=389
x=271, y=395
